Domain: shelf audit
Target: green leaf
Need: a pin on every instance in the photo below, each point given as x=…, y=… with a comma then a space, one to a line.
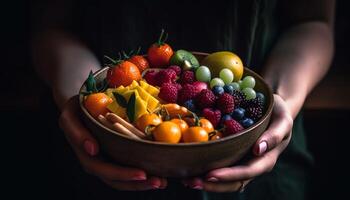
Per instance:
x=130, y=110
x=120, y=99
x=91, y=83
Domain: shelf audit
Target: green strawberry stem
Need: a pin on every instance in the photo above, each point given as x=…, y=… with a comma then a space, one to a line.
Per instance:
x=162, y=40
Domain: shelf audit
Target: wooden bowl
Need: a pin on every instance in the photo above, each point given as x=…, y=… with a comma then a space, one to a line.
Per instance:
x=183, y=159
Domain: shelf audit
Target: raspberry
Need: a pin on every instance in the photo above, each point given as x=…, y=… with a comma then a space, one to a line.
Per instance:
x=176, y=68
x=186, y=93
x=225, y=103
x=232, y=127
x=205, y=99
x=178, y=86
x=187, y=77
x=212, y=115
x=150, y=77
x=166, y=76
x=238, y=97
x=168, y=92
x=254, y=113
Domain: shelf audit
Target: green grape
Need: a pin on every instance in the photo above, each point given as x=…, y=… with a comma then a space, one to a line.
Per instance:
x=248, y=82
x=203, y=74
x=249, y=93
x=216, y=81
x=235, y=85
x=226, y=75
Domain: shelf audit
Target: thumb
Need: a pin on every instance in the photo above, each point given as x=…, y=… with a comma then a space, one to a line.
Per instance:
x=76, y=133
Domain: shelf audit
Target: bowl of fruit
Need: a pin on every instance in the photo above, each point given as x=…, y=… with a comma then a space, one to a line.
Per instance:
x=176, y=114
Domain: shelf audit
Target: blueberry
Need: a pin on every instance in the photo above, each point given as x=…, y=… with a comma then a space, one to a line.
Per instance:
x=260, y=96
x=247, y=122
x=218, y=90
x=238, y=113
x=228, y=89
x=190, y=105
x=225, y=118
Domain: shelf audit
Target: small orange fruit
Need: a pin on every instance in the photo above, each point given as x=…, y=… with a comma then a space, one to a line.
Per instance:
x=195, y=134
x=215, y=135
x=97, y=103
x=147, y=120
x=207, y=125
x=168, y=132
x=181, y=123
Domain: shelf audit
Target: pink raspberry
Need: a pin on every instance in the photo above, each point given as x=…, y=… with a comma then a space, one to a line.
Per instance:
x=212, y=115
x=225, y=103
x=176, y=68
x=186, y=93
x=178, y=86
x=205, y=99
x=166, y=76
x=187, y=77
x=168, y=92
x=150, y=77
x=232, y=127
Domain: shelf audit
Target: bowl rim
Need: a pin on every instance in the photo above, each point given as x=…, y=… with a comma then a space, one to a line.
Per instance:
x=179, y=145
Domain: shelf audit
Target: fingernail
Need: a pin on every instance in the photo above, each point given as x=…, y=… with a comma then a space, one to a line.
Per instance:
x=262, y=147
x=198, y=187
x=154, y=186
x=213, y=179
x=139, y=178
x=90, y=148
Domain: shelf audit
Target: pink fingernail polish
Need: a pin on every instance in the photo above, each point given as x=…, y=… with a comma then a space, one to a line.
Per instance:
x=198, y=187
x=90, y=148
x=155, y=186
x=213, y=179
x=262, y=147
x=139, y=178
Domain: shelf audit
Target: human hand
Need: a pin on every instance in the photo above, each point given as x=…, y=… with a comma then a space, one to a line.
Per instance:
x=86, y=149
x=266, y=150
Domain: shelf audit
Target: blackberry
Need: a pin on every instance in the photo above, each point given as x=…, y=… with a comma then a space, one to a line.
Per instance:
x=254, y=113
x=239, y=98
x=257, y=102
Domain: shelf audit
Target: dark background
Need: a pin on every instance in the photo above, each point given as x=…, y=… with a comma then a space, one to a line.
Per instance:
x=28, y=148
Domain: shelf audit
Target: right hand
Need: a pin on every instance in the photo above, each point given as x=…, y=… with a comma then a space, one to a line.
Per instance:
x=86, y=148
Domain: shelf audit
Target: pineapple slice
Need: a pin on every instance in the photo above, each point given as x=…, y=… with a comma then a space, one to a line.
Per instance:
x=140, y=107
x=152, y=103
x=152, y=90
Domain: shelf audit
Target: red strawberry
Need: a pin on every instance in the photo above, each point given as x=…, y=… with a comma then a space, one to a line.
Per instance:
x=166, y=76
x=186, y=93
x=225, y=103
x=212, y=115
x=168, y=92
x=232, y=127
x=150, y=77
x=187, y=77
x=205, y=99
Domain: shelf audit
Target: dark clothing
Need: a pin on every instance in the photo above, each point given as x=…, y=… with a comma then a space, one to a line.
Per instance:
x=248, y=28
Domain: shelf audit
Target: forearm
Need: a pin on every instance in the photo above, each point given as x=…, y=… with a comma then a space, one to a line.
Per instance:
x=298, y=62
x=63, y=63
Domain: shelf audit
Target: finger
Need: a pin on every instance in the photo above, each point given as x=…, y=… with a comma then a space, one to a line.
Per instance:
x=253, y=168
x=225, y=186
x=97, y=167
x=278, y=130
x=149, y=184
x=74, y=130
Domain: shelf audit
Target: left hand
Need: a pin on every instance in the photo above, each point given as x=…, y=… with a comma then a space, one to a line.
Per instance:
x=267, y=149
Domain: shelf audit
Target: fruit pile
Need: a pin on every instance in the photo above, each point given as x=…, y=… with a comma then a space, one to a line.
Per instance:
x=171, y=97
